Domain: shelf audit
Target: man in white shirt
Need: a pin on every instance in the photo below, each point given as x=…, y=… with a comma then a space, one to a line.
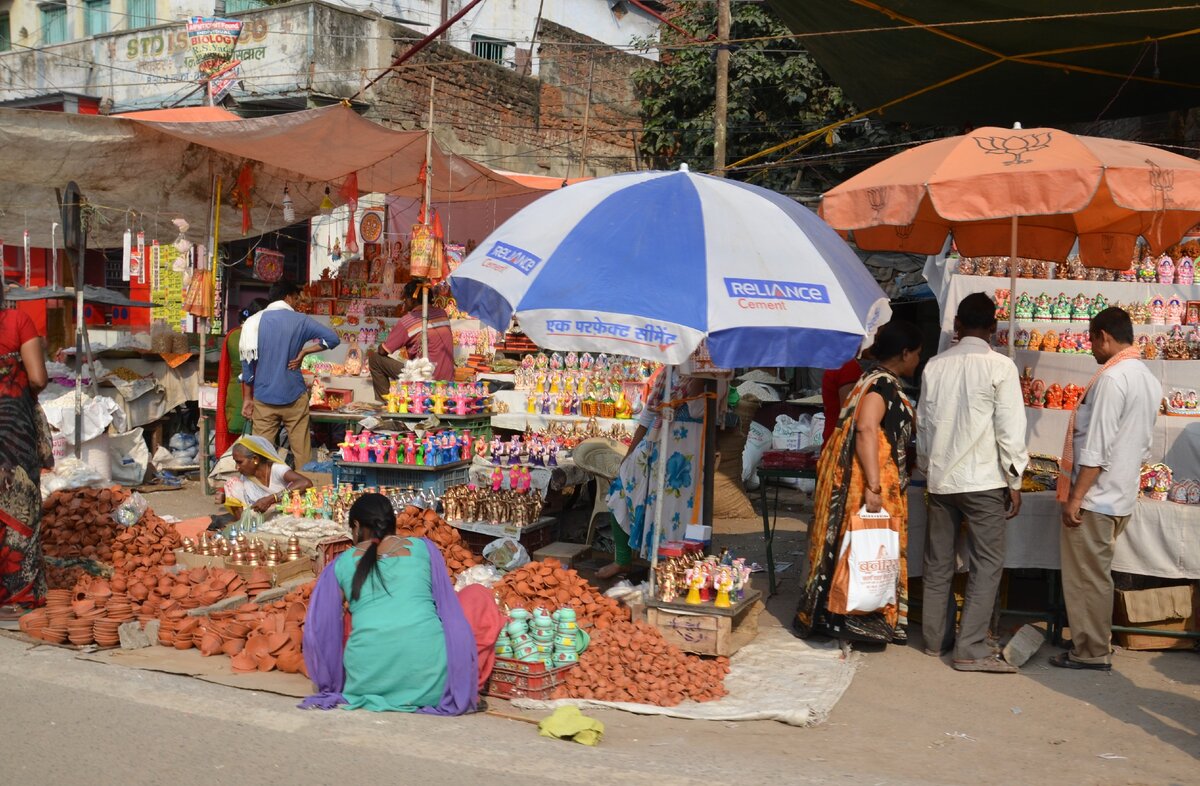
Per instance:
x=971, y=446
x=1114, y=427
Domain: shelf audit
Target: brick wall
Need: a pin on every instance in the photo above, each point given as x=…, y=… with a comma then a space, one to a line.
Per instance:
x=511, y=121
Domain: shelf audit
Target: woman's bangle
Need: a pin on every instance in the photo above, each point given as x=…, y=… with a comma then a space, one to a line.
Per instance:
x=876, y=490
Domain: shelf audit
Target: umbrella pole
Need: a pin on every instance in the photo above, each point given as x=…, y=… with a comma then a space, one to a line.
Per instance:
x=709, y=469
x=428, y=220
x=1012, y=291
x=660, y=474
x=214, y=218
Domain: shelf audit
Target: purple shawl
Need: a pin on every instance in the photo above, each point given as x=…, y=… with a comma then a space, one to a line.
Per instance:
x=323, y=643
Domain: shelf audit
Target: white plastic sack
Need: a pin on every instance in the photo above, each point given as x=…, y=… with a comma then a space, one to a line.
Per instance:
x=874, y=564
x=816, y=431
x=487, y=575
x=129, y=457
x=98, y=414
x=506, y=554
x=758, y=440
x=69, y=473
x=790, y=434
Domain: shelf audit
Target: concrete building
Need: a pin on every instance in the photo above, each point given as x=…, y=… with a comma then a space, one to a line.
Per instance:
x=512, y=88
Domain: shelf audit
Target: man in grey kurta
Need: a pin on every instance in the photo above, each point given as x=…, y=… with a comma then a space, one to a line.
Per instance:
x=1114, y=428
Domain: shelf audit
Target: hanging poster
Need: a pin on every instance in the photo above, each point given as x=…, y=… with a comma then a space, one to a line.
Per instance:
x=213, y=40
x=167, y=288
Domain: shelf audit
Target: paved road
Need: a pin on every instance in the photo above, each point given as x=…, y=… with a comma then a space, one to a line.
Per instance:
x=68, y=721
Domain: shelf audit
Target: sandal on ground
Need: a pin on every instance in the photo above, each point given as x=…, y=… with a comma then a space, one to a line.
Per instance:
x=12, y=612
x=612, y=570
x=1063, y=661
x=991, y=663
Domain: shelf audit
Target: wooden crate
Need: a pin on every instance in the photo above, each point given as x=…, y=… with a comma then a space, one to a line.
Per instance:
x=704, y=633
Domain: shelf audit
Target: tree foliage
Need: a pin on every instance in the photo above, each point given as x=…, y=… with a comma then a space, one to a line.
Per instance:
x=776, y=92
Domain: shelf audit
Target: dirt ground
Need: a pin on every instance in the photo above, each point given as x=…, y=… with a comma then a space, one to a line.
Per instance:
x=911, y=718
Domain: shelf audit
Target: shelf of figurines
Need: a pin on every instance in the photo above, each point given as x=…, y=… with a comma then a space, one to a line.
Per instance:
x=493, y=510
x=1178, y=402
x=1177, y=266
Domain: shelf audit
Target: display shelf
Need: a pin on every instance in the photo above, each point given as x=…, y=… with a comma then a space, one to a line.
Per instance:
x=520, y=421
x=1176, y=438
x=434, y=479
x=409, y=467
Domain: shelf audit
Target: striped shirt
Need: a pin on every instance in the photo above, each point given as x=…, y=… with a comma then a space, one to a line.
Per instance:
x=407, y=333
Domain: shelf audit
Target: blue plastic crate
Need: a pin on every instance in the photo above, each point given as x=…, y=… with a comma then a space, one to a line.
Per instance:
x=380, y=475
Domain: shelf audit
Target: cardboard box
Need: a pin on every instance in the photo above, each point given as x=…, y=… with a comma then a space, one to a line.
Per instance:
x=319, y=479
x=279, y=573
x=1164, y=608
x=697, y=533
x=566, y=553
x=189, y=561
x=707, y=634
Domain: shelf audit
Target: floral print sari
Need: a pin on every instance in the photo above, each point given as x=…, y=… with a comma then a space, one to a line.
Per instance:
x=632, y=496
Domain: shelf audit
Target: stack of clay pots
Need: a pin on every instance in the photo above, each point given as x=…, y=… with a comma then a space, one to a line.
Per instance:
x=259, y=638
x=91, y=613
x=549, y=584
x=631, y=661
x=155, y=592
x=147, y=544
x=416, y=522
x=260, y=582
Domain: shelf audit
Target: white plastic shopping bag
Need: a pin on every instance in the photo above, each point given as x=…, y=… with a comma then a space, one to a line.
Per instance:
x=868, y=566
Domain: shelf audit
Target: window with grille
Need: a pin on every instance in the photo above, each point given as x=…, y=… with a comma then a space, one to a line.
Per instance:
x=54, y=22
x=140, y=13
x=491, y=49
x=5, y=33
x=95, y=17
x=233, y=6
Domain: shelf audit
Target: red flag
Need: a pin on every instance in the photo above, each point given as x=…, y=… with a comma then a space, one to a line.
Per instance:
x=245, y=185
x=349, y=194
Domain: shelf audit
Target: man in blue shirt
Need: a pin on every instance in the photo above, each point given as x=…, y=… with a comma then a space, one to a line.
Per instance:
x=274, y=341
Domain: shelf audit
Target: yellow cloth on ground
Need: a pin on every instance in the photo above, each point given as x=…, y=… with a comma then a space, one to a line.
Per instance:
x=568, y=723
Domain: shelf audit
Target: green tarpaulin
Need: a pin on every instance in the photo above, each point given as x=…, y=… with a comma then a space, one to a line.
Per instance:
x=1128, y=75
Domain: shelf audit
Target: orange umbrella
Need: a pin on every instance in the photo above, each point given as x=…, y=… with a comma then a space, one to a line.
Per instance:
x=1022, y=192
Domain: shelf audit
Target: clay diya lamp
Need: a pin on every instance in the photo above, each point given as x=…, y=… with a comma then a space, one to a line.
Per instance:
x=289, y=661
x=233, y=647
x=242, y=661
x=210, y=644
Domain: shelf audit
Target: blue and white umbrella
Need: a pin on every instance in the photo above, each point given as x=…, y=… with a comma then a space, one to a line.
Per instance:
x=649, y=264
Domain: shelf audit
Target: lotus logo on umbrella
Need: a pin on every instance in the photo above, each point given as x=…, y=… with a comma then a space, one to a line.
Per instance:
x=877, y=198
x=1162, y=181
x=1015, y=146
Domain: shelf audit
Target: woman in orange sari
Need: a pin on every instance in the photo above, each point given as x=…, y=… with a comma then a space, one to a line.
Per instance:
x=864, y=464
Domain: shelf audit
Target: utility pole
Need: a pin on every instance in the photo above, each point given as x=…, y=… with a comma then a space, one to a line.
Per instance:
x=721, y=105
x=587, y=111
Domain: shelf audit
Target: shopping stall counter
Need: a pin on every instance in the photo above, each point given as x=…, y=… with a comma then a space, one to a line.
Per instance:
x=144, y=404
x=1162, y=539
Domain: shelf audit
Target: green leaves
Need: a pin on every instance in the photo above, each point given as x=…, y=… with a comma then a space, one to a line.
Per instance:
x=776, y=92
